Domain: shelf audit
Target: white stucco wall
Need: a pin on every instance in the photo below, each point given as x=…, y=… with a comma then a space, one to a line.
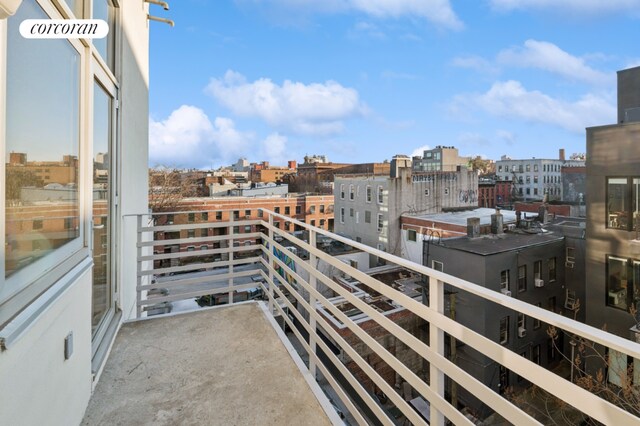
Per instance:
x=37, y=385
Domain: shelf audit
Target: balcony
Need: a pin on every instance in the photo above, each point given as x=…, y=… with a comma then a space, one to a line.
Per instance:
x=343, y=322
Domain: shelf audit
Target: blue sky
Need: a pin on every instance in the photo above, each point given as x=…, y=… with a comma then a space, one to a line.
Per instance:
x=363, y=80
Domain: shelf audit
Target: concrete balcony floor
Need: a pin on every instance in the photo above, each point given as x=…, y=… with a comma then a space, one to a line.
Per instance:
x=223, y=366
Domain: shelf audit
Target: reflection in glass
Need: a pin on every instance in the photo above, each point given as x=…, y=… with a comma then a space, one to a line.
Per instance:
x=635, y=204
x=102, y=9
x=42, y=144
x=617, y=203
x=101, y=290
x=618, y=284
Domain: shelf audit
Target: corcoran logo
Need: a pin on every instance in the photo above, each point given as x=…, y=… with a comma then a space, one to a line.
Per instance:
x=64, y=28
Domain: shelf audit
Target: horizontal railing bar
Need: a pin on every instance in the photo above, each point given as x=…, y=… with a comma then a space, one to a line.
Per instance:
x=366, y=397
x=496, y=402
x=551, y=381
x=417, y=383
x=196, y=266
x=590, y=333
x=197, y=280
x=199, y=253
x=192, y=294
x=199, y=225
x=193, y=240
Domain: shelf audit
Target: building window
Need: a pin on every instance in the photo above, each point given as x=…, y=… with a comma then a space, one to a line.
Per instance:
x=204, y=216
x=368, y=193
x=298, y=209
x=535, y=167
x=260, y=213
x=351, y=214
x=623, y=278
x=623, y=199
x=499, y=168
x=438, y=266
x=552, y=269
x=352, y=193
x=247, y=213
x=446, y=191
x=380, y=222
x=341, y=214
x=191, y=233
x=522, y=324
x=535, y=354
x=522, y=278
x=191, y=217
x=552, y=304
x=535, y=191
x=277, y=210
x=504, y=280
x=426, y=192
x=342, y=191
x=204, y=232
x=247, y=228
x=236, y=229
x=504, y=330
x=537, y=270
x=313, y=222
x=367, y=216
x=412, y=235
x=287, y=210
x=322, y=221
x=204, y=247
x=218, y=215
x=536, y=322
x=321, y=208
x=380, y=195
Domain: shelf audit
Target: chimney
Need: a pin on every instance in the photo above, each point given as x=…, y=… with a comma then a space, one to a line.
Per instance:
x=543, y=213
x=497, y=223
x=292, y=164
x=561, y=154
x=473, y=227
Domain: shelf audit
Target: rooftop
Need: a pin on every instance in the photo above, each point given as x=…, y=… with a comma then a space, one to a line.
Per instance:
x=225, y=365
x=460, y=218
x=493, y=244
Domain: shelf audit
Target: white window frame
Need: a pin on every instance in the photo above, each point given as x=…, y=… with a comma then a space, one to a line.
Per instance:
x=23, y=287
x=369, y=194
x=380, y=223
x=341, y=214
x=342, y=191
x=380, y=194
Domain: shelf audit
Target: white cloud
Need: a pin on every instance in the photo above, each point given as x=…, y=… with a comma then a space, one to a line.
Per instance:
x=274, y=148
x=418, y=152
x=510, y=99
x=187, y=138
x=580, y=7
x=438, y=12
x=508, y=137
x=313, y=109
x=549, y=57
x=475, y=62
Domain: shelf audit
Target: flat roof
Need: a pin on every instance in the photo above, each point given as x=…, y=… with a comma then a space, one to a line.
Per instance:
x=492, y=244
x=460, y=218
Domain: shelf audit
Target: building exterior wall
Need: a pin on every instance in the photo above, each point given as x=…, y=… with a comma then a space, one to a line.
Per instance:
x=37, y=384
x=484, y=317
x=628, y=93
x=612, y=151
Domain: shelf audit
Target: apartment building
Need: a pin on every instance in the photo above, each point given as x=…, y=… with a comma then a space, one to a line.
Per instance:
x=264, y=172
x=369, y=207
x=75, y=123
x=613, y=218
x=526, y=264
x=534, y=178
x=440, y=159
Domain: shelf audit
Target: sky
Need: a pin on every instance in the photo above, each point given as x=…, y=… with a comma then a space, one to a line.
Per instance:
x=364, y=80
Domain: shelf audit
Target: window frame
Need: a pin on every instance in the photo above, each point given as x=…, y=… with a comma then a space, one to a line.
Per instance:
x=628, y=199
x=504, y=330
x=523, y=279
x=410, y=233
x=22, y=288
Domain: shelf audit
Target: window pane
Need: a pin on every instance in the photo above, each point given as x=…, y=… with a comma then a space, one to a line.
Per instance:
x=102, y=9
x=42, y=144
x=635, y=203
x=617, y=282
x=101, y=292
x=617, y=208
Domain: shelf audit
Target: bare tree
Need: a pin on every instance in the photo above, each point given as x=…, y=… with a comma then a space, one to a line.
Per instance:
x=168, y=186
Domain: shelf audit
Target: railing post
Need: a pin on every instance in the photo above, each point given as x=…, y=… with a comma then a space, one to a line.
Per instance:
x=270, y=256
x=139, y=265
x=312, y=302
x=436, y=342
x=231, y=241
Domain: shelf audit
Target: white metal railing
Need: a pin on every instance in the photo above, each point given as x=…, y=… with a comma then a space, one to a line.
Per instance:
x=291, y=288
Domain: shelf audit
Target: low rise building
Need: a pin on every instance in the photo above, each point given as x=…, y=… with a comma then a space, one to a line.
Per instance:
x=440, y=159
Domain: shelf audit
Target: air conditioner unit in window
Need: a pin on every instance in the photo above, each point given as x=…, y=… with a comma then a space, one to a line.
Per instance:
x=539, y=282
x=505, y=292
x=522, y=331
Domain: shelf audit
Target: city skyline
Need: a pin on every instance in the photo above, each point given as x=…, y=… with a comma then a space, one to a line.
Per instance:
x=277, y=80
